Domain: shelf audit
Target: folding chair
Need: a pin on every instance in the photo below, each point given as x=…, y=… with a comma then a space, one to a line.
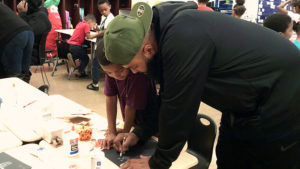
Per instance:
x=201, y=141
x=40, y=62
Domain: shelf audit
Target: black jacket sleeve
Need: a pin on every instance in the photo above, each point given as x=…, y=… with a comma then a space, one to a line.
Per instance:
x=186, y=53
x=149, y=126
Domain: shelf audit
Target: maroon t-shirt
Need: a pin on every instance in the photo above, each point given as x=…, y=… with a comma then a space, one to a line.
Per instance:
x=136, y=91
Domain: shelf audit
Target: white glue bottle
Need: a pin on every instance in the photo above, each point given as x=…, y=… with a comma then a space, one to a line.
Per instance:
x=72, y=139
x=97, y=158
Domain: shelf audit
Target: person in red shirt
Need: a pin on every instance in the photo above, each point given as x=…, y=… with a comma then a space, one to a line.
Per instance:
x=202, y=5
x=82, y=32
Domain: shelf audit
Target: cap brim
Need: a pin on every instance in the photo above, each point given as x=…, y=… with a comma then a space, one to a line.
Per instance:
x=99, y=50
x=142, y=11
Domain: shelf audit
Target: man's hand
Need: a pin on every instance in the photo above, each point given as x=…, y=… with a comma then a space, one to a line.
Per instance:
x=130, y=140
x=107, y=142
x=141, y=163
x=22, y=6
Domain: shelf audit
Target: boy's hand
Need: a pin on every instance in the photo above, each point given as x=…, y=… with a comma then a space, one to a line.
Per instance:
x=22, y=6
x=130, y=140
x=107, y=142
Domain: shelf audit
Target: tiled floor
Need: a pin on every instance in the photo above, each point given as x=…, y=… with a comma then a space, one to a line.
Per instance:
x=75, y=89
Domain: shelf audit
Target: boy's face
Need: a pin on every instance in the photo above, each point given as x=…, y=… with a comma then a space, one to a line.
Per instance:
x=142, y=59
x=104, y=9
x=289, y=31
x=116, y=71
x=91, y=24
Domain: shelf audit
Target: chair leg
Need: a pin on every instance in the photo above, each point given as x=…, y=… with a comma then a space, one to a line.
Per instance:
x=70, y=60
x=67, y=65
x=46, y=86
x=54, y=66
x=70, y=73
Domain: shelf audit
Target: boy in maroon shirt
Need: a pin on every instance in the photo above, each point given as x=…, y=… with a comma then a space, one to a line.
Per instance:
x=136, y=94
x=82, y=32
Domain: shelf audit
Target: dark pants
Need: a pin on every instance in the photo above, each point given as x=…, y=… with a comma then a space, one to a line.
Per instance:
x=80, y=53
x=234, y=153
x=16, y=57
x=95, y=70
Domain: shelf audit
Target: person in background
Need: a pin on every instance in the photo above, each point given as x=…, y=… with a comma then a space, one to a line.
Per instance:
x=16, y=42
x=202, y=5
x=294, y=14
x=104, y=8
x=296, y=28
x=36, y=16
x=136, y=94
x=239, y=9
x=281, y=23
x=81, y=32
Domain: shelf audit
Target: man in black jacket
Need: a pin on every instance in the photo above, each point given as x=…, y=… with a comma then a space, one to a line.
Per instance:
x=248, y=72
x=16, y=42
x=37, y=17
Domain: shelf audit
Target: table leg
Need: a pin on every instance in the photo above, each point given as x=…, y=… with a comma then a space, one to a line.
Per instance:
x=92, y=55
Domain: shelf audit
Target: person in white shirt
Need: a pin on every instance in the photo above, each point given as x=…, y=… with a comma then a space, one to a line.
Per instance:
x=104, y=7
x=294, y=14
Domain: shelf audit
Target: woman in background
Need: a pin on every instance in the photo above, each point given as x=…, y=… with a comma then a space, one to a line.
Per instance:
x=239, y=9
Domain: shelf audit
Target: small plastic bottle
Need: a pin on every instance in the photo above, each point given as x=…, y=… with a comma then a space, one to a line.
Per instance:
x=72, y=140
x=97, y=158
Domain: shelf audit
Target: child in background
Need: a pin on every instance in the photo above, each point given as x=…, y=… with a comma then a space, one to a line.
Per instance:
x=281, y=23
x=104, y=8
x=136, y=94
x=296, y=28
x=294, y=13
x=202, y=5
x=239, y=9
x=81, y=32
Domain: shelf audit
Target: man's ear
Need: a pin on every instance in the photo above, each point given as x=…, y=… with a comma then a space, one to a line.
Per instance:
x=148, y=51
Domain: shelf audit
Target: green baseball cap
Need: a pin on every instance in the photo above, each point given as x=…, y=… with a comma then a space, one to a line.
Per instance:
x=125, y=34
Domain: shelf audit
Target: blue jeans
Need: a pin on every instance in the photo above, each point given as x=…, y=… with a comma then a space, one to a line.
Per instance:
x=80, y=53
x=95, y=70
x=16, y=57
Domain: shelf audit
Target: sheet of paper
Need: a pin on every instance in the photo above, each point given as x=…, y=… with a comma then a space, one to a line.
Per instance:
x=146, y=149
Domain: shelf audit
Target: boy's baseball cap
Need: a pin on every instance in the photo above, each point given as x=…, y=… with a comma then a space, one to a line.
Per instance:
x=125, y=34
